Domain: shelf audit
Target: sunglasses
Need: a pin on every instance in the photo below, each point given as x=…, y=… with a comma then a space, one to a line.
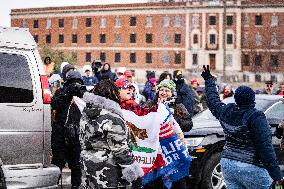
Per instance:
x=269, y=85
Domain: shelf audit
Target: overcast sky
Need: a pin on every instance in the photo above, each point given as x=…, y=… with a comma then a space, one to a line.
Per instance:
x=5, y=8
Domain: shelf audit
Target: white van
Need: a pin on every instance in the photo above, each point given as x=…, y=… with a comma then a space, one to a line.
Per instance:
x=25, y=120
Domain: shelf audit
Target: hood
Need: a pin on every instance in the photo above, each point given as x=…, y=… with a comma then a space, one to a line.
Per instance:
x=102, y=102
x=205, y=127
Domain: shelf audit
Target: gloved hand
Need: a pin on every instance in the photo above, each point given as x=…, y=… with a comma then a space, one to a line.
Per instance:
x=206, y=73
x=132, y=172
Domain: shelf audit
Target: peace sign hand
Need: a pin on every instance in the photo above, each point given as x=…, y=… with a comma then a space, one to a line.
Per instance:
x=206, y=73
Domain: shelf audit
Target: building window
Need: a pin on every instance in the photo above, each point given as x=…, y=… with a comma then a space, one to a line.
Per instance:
x=258, y=20
x=177, y=38
x=178, y=21
x=148, y=58
x=258, y=39
x=229, y=60
x=246, y=20
x=194, y=59
x=195, y=20
x=166, y=21
x=88, y=57
x=273, y=78
x=132, y=38
x=229, y=20
x=74, y=38
x=75, y=23
x=274, y=21
x=103, y=22
x=274, y=60
x=149, y=38
x=88, y=22
x=195, y=39
x=212, y=39
x=48, y=23
x=88, y=38
x=257, y=60
x=24, y=23
x=102, y=38
x=48, y=38
x=229, y=39
x=61, y=23
x=149, y=21
x=246, y=60
x=165, y=58
x=133, y=21
x=132, y=57
x=117, y=38
x=117, y=22
x=258, y=78
x=177, y=58
x=36, y=24
x=36, y=38
x=245, y=39
x=166, y=39
x=274, y=41
x=61, y=38
x=117, y=57
x=212, y=20
x=103, y=56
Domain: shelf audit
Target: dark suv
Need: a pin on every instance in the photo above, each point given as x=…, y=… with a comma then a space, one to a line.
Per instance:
x=206, y=142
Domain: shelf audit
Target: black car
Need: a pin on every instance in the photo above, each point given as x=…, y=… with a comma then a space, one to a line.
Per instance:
x=206, y=141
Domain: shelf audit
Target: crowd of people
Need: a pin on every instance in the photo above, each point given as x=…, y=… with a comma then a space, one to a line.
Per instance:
x=94, y=139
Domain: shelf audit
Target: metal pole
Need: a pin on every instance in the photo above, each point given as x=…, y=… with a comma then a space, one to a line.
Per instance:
x=224, y=39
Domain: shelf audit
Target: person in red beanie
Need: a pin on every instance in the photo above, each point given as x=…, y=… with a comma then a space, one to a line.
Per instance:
x=126, y=90
x=194, y=83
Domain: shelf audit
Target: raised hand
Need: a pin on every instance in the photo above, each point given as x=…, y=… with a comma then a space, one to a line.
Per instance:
x=206, y=73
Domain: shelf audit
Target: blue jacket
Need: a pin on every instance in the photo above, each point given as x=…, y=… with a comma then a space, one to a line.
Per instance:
x=247, y=133
x=148, y=91
x=186, y=96
x=90, y=81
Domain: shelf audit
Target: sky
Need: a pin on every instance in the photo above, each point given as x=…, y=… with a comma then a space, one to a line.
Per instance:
x=5, y=8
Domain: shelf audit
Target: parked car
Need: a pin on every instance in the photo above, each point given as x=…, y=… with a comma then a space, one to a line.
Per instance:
x=206, y=142
x=25, y=118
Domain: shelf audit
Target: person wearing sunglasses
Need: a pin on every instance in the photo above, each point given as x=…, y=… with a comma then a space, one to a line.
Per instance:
x=268, y=89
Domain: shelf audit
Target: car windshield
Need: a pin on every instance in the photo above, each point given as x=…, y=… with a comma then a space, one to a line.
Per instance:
x=261, y=104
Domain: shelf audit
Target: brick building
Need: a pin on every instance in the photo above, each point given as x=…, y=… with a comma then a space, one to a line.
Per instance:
x=167, y=35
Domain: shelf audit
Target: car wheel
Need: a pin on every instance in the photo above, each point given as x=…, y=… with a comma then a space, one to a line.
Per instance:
x=212, y=176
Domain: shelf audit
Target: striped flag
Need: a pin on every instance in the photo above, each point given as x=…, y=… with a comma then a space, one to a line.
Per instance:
x=156, y=147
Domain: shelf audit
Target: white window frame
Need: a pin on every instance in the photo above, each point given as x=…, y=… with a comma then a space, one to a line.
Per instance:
x=166, y=21
x=149, y=21
x=74, y=23
x=48, y=23
x=103, y=22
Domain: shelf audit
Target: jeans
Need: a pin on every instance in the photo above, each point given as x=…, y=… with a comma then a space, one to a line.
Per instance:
x=239, y=175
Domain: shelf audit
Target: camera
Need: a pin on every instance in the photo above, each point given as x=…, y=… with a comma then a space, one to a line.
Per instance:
x=76, y=89
x=96, y=64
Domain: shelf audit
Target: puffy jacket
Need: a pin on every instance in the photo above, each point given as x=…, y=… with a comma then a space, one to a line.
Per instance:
x=247, y=134
x=148, y=91
x=186, y=96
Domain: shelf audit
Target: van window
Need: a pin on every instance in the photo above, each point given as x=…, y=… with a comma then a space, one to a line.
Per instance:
x=15, y=79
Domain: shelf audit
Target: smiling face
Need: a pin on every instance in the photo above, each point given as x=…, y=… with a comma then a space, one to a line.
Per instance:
x=106, y=67
x=165, y=93
x=126, y=94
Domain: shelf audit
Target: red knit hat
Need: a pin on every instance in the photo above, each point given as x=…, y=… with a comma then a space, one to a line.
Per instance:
x=123, y=83
x=193, y=81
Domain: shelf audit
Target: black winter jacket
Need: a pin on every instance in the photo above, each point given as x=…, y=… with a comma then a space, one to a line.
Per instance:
x=247, y=134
